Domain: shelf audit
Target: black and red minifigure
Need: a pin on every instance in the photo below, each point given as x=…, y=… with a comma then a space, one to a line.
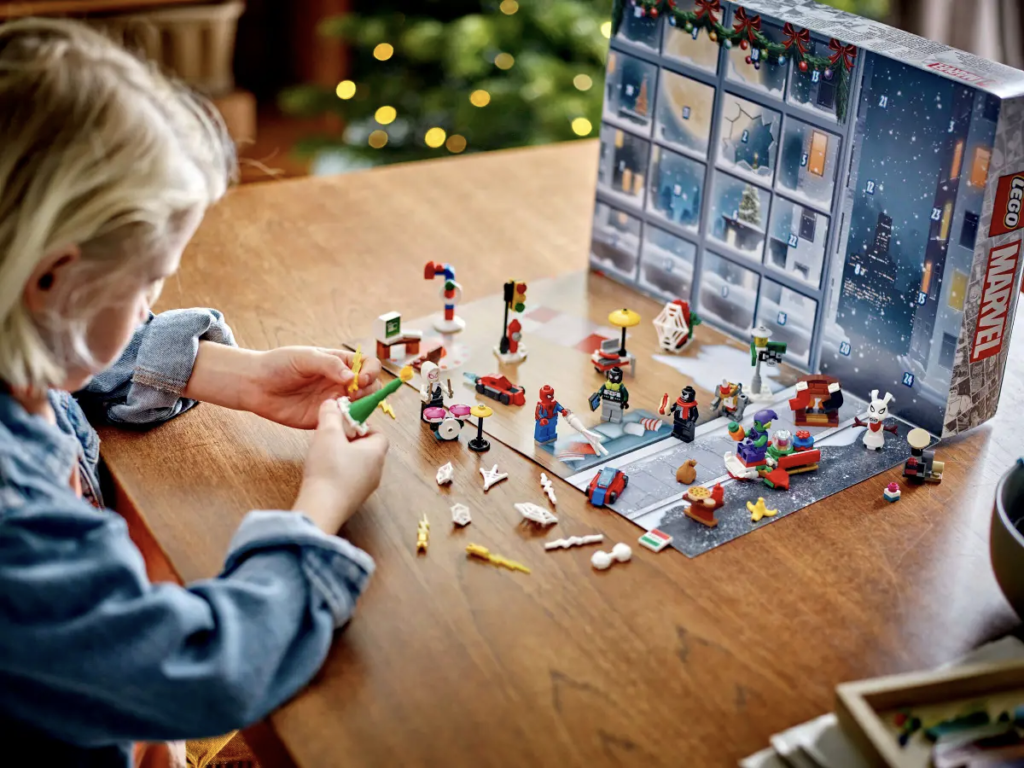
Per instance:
x=684, y=414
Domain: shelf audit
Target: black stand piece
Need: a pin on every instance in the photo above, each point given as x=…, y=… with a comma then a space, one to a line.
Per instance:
x=479, y=443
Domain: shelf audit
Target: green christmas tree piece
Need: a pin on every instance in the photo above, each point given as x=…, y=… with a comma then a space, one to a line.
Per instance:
x=356, y=413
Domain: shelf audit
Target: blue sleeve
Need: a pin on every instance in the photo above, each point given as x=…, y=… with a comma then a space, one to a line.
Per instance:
x=144, y=386
x=92, y=652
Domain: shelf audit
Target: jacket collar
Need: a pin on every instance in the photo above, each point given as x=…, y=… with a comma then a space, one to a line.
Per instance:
x=44, y=445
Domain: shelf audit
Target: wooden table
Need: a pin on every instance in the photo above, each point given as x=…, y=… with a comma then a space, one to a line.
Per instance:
x=453, y=662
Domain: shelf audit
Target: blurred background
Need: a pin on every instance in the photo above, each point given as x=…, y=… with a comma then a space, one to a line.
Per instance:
x=330, y=86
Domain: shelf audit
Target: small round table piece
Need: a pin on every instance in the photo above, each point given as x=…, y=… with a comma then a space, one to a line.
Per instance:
x=624, y=318
x=481, y=411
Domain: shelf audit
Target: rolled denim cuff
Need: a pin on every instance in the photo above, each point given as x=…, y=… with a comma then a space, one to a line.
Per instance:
x=336, y=569
x=168, y=349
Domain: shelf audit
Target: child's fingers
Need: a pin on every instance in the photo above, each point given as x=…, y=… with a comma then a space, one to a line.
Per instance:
x=329, y=418
x=332, y=367
x=369, y=372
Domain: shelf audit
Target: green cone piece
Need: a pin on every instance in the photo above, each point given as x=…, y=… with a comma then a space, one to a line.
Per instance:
x=362, y=408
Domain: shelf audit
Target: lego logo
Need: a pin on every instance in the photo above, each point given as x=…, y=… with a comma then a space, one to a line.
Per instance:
x=1012, y=217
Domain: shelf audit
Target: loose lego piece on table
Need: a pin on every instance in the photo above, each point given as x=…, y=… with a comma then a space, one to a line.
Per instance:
x=357, y=366
x=460, y=515
x=613, y=397
x=450, y=293
x=498, y=388
x=511, y=348
x=492, y=476
x=548, y=487
x=703, y=503
x=655, y=540
x=684, y=414
x=591, y=437
x=620, y=553
x=760, y=510
x=763, y=351
x=385, y=406
x=575, y=541
x=687, y=472
x=445, y=473
x=922, y=467
x=878, y=410
x=388, y=333
x=355, y=414
x=606, y=486
x=535, y=514
x=545, y=414
x=730, y=401
x=422, y=534
x=475, y=550
x=612, y=354
x=891, y=492
x=675, y=324
x=480, y=444
x=817, y=402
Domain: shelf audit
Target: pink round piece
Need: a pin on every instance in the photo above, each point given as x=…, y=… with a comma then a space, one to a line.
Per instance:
x=434, y=415
x=459, y=411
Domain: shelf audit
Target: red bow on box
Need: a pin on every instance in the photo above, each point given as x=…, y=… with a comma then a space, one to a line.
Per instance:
x=845, y=52
x=800, y=38
x=709, y=7
x=746, y=24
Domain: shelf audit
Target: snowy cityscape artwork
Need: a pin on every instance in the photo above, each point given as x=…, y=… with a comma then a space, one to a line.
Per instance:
x=838, y=204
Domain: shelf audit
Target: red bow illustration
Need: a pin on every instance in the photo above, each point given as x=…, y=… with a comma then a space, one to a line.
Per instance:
x=845, y=52
x=709, y=7
x=746, y=24
x=800, y=38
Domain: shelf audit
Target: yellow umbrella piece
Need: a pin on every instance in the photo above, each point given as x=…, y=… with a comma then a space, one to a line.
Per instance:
x=479, y=444
x=623, y=318
x=481, y=411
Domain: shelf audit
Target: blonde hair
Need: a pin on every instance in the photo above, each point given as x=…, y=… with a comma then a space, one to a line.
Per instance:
x=98, y=150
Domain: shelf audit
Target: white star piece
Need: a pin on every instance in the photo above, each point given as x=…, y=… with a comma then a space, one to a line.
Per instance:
x=492, y=476
x=445, y=473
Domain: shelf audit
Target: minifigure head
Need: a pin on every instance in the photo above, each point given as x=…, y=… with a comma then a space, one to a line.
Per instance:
x=615, y=375
x=689, y=394
x=878, y=409
x=430, y=372
x=763, y=418
x=547, y=393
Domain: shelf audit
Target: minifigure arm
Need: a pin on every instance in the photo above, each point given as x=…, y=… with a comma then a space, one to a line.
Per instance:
x=625, y=397
x=425, y=393
x=716, y=402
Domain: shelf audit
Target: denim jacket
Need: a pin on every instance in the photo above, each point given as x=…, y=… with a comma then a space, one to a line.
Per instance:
x=92, y=655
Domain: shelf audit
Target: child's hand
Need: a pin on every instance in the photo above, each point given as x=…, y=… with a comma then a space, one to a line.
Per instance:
x=288, y=384
x=340, y=474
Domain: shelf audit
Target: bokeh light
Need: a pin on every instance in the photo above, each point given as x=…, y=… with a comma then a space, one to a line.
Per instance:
x=434, y=137
x=504, y=61
x=583, y=82
x=456, y=143
x=508, y=7
x=346, y=89
x=581, y=126
x=480, y=98
x=606, y=28
x=378, y=139
x=383, y=51
x=386, y=115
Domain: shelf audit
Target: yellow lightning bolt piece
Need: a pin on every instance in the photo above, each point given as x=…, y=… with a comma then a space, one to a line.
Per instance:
x=476, y=550
x=357, y=365
x=385, y=406
x=422, y=534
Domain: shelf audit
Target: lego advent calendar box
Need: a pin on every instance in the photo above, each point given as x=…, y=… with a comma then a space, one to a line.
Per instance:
x=856, y=189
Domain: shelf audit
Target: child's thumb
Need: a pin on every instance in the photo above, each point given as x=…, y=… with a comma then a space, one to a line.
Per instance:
x=330, y=416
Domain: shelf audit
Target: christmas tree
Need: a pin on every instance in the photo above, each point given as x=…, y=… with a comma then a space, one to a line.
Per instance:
x=460, y=76
x=750, y=207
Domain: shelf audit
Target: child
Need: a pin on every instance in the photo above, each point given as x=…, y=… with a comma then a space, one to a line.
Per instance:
x=106, y=169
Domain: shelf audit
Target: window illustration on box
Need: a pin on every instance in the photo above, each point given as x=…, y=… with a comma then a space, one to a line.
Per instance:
x=822, y=86
x=807, y=168
x=677, y=185
x=638, y=26
x=666, y=264
x=728, y=293
x=615, y=244
x=901, y=275
x=738, y=215
x=746, y=62
x=629, y=92
x=685, y=110
x=749, y=138
x=683, y=45
x=622, y=171
x=790, y=316
x=797, y=241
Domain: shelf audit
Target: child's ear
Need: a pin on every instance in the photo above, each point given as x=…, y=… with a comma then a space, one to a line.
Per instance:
x=53, y=269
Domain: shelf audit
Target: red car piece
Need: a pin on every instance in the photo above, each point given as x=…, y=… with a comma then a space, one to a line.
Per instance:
x=606, y=486
x=501, y=389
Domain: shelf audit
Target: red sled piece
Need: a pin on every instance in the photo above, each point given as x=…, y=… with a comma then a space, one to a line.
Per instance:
x=501, y=389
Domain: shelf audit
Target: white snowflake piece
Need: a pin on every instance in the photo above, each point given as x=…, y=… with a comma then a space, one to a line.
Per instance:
x=492, y=476
x=445, y=473
x=536, y=514
x=548, y=487
x=460, y=515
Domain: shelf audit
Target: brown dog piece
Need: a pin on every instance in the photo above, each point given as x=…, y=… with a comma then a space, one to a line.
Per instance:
x=687, y=473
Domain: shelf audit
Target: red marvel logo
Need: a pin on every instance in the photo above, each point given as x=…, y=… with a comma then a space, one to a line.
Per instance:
x=995, y=301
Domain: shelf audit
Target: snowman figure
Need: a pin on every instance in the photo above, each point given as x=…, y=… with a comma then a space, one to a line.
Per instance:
x=874, y=420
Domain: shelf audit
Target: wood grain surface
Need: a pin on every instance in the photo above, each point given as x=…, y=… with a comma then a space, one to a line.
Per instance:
x=454, y=662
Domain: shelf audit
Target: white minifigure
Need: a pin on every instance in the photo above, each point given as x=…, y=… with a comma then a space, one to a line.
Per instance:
x=874, y=420
x=431, y=391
